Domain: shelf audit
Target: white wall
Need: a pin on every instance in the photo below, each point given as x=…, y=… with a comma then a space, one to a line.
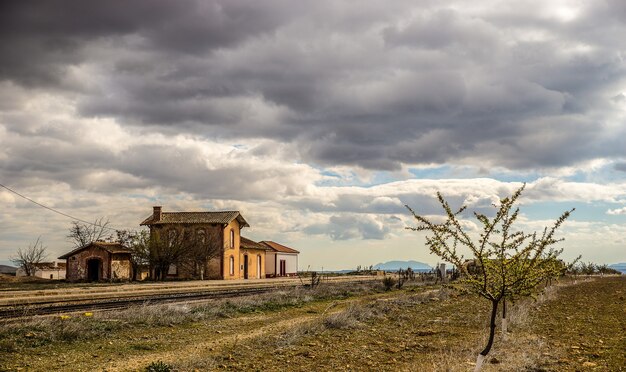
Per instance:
x=272, y=263
x=45, y=274
x=291, y=260
x=51, y=274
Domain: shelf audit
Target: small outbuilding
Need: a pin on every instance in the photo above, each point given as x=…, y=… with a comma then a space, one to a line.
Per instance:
x=280, y=260
x=98, y=261
x=46, y=270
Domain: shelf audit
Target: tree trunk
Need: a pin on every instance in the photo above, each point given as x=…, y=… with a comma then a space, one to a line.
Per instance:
x=492, y=332
x=504, y=319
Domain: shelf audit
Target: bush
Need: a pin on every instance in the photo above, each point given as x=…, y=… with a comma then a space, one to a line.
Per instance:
x=388, y=282
x=158, y=366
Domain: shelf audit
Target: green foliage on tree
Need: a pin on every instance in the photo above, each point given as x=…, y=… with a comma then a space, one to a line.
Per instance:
x=505, y=263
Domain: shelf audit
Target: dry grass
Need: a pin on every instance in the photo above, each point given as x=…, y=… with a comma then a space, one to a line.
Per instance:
x=412, y=329
x=36, y=332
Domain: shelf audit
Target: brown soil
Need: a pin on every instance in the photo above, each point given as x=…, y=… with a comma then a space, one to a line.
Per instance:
x=576, y=328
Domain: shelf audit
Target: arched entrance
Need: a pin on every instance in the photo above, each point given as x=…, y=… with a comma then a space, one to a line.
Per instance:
x=245, y=266
x=94, y=269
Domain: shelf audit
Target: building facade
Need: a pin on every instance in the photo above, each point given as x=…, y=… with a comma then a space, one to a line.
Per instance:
x=280, y=260
x=209, y=245
x=203, y=245
x=46, y=270
x=98, y=261
x=252, y=258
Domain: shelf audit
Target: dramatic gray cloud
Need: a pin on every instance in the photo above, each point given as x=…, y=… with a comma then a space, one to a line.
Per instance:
x=320, y=120
x=374, y=85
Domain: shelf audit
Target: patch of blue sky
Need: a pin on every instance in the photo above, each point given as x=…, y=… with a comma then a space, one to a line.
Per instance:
x=604, y=174
x=431, y=173
x=468, y=172
x=352, y=179
x=594, y=211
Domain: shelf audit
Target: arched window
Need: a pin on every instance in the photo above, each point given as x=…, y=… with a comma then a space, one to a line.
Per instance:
x=232, y=238
x=232, y=265
x=201, y=235
x=172, y=234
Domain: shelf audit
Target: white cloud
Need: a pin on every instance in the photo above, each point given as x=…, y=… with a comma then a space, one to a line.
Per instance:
x=616, y=211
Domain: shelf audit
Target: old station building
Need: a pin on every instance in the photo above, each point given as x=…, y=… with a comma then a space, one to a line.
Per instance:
x=226, y=254
x=98, y=261
x=219, y=232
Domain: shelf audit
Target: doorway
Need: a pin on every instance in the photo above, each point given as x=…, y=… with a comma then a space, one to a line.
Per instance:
x=245, y=266
x=94, y=267
x=283, y=268
x=258, y=267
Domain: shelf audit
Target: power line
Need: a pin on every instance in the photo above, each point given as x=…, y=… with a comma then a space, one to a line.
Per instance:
x=56, y=211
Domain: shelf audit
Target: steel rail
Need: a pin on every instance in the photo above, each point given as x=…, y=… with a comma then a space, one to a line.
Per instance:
x=41, y=308
x=111, y=304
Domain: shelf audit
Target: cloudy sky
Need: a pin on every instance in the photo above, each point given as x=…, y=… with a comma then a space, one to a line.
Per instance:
x=318, y=120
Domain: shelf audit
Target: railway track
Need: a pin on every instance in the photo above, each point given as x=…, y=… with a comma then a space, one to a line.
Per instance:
x=115, y=304
x=42, y=306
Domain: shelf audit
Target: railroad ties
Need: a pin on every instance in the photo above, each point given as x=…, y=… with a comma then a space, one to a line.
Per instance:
x=16, y=305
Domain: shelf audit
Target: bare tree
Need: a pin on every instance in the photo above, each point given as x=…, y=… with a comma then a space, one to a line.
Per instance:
x=201, y=246
x=82, y=233
x=28, y=258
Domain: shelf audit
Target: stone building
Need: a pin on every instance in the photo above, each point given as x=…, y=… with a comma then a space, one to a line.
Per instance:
x=98, y=261
x=220, y=235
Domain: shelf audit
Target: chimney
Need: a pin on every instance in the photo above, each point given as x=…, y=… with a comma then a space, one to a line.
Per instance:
x=156, y=215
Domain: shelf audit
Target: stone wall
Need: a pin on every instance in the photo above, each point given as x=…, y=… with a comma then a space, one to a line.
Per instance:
x=77, y=264
x=120, y=267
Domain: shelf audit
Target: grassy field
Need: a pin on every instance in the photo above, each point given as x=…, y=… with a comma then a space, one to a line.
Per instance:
x=574, y=327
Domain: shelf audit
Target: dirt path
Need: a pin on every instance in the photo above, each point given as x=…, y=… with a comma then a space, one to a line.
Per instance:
x=210, y=340
x=580, y=327
x=197, y=347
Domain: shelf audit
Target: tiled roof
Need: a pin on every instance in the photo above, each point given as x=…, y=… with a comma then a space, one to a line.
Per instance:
x=278, y=247
x=109, y=247
x=224, y=217
x=246, y=243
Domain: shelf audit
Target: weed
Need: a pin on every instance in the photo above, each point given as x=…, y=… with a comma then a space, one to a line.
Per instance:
x=352, y=317
x=388, y=282
x=158, y=366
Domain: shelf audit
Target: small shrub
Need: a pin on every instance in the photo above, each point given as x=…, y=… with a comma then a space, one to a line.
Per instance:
x=351, y=317
x=158, y=366
x=388, y=283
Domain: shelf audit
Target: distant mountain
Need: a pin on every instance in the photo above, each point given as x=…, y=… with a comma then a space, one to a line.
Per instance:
x=396, y=265
x=619, y=267
x=5, y=269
